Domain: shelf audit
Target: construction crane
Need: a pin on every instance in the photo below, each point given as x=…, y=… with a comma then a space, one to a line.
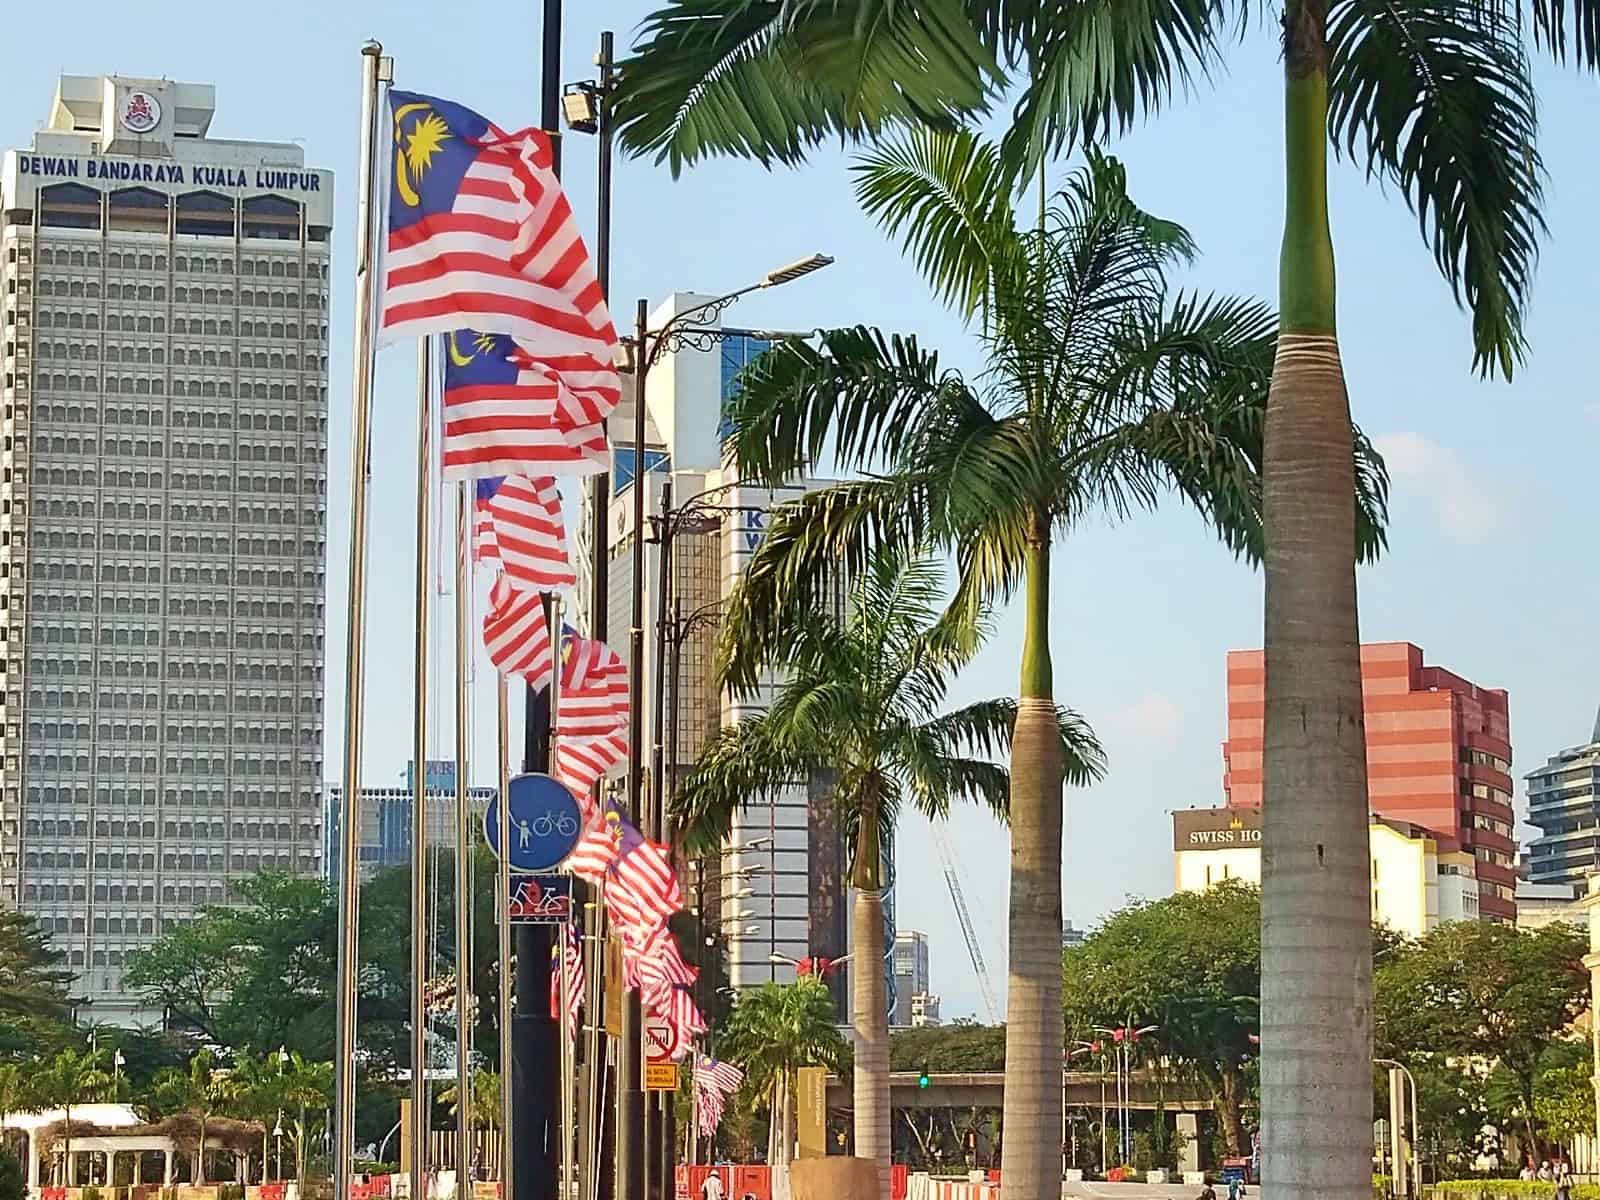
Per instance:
x=947, y=858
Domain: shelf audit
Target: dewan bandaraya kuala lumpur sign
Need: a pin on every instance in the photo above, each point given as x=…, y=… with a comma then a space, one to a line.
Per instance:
x=1216, y=828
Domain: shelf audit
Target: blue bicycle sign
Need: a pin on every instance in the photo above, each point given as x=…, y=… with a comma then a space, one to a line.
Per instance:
x=544, y=823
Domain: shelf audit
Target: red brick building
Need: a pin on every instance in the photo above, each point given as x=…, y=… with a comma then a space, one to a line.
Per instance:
x=1438, y=755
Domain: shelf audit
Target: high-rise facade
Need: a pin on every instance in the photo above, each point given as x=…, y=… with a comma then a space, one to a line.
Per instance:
x=912, y=981
x=387, y=817
x=1564, y=802
x=778, y=891
x=163, y=511
x=1438, y=756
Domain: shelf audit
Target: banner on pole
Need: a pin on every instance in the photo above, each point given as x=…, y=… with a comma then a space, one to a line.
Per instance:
x=615, y=991
x=812, y=1084
x=541, y=899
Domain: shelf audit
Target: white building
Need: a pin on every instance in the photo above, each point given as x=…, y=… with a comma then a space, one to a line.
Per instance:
x=162, y=516
x=1419, y=879
x=912, y=979
x=779, y=888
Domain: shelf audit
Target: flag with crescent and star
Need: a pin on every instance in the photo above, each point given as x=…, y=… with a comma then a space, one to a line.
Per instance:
x=507, y=413
x=481, y=239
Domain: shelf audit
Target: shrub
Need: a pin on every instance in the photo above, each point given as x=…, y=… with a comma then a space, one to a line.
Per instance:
x=12, y=1184
x=91, y=1193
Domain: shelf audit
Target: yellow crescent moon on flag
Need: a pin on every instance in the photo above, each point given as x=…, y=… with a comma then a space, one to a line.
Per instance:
x=456, y=356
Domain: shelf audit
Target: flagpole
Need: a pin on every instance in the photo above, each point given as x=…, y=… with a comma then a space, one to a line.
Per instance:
x=463, y=860
x=569, y=1035
x=507, y=1094
x=661, y=1131
x=375, y=69
x=599, y=596
x=418, y=1166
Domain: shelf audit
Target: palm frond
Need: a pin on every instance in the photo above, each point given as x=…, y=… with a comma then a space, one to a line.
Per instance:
x=1550, y=29
x=1437, y=96
x=1372, y=500
x=944, y=194
x=742, y=763
x=813, y=547
x=1099, y=65
x=772, y=79
x=857, y=395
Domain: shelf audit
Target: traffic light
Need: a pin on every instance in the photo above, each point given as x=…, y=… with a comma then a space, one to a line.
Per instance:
x=922, y=1079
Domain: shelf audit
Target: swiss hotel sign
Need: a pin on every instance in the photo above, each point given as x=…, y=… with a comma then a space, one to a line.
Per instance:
x=1216, y=829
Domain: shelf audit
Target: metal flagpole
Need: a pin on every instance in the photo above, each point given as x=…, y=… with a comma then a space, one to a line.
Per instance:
x=375, y=69
x=660, y=1122
x=418, y=1166
x=463, y=860
x=568, y=1061
x=507, y=1095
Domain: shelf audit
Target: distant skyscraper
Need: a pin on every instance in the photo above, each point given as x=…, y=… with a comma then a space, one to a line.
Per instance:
x=1564, y=802
x=386, y=819
x=1071, y=937
x=911, y=978
x=162, y=517
x=1438, y=756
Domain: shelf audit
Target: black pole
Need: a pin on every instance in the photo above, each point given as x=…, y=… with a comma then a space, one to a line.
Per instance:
x=598, y=1151
x=659, y=1141
x=630, y=1064
x=535, y=1050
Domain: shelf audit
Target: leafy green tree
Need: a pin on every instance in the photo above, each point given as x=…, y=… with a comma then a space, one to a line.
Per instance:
x=254, y=1089
x=69, y=1079
x=13, y=1183
x=1101, y=393
x=1564, y=1101
x=35, y=1008
x=485, y=1099
x=775, y=1030
x=1486, y=995
x=201, y=1090
x=961, y=1047
x=16, y=1088
x=1433, y=96
x=860, y=707
x=1190, y=965
x=256, y=974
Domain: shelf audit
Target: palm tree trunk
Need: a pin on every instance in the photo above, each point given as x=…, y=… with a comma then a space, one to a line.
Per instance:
x=200, y=1158
x=869, y=1012
x=1030, y=1153
x=66, y=1163
x=1316, y=941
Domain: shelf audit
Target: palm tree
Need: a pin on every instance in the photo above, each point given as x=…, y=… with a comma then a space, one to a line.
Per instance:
x=1101, y=393
x=254, y=1088
x=859, y=706
x=201, y=1089
x=773, y=1031
x=485, y=1098
x=307, y=1088
x=72, y=1077
x=1431, y=95
x=16, y=1090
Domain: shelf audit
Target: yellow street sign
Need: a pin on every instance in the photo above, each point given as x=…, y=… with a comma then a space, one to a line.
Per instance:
x=661, y=1077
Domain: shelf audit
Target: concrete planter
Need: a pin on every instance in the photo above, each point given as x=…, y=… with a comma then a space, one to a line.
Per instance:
x=1155, y=1176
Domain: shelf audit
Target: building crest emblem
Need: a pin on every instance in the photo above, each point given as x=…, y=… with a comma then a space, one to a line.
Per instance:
x=141, y=112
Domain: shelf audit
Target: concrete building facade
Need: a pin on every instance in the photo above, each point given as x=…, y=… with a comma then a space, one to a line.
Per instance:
x=387, y=817
x=163, y=512
x=1564, y=802
x=913, y=982
x=1438, y=756
x=1419, y=880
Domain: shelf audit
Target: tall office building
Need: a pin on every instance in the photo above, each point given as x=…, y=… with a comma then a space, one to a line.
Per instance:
x=912, y=982
x=387, y=817
x=778, y=891
x=1438, y=756
x=162, y=517
x=1564, y=802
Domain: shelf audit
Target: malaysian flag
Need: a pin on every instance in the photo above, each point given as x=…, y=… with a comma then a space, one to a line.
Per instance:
x=676, y=1007
x=519, y=529
x=507, y=413
x=641, y=888
x=480, y=235
x=575, y=979
x=596, y=850
x=592, y=719
x=714, y=1082
x=516, y=634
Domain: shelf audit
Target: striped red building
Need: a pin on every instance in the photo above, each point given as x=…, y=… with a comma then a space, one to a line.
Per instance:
x=1438, y=755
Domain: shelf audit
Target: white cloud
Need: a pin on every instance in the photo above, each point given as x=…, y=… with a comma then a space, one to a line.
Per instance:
x=1462, y=503
x=1151, y=716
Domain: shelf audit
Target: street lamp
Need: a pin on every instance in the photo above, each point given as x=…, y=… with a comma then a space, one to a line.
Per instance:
x=277, y=1138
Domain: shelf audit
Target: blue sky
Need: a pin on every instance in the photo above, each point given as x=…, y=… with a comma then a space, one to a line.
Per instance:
x=1491, y=570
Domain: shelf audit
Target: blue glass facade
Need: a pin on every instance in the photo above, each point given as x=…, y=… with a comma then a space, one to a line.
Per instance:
x=622, y=471
x=739, y=350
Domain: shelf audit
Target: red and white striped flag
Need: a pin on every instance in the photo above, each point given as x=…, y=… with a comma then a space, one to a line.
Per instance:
x=677, y=1008
x=516, y=634
x=592, y=712
x=573, y=953
x=714, y=1082
x=506, y=413
x=642, y=889
x=596, y=851
x=481, y=236
x=520, y=530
